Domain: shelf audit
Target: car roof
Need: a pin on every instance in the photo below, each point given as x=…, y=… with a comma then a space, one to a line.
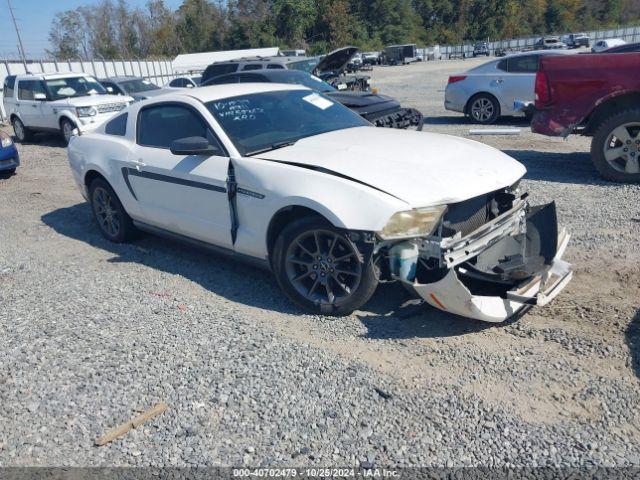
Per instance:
x=121, y=78
x=52, y=76
x=541, y=52
x=228, y=90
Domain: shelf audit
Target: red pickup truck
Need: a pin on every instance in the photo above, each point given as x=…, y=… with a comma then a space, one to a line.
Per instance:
x=598, y=96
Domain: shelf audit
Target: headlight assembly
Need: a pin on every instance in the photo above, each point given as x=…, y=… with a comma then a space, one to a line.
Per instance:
x=86, y=111
x=6, y=141
x=412, y=223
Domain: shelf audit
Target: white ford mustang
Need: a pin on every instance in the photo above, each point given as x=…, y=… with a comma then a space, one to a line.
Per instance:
x=332, y=205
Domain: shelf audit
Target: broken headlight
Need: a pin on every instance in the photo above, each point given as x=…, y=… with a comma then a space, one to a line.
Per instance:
x=419, y=222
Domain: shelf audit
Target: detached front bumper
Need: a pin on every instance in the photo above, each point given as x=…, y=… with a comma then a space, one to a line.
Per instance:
x=494, y=272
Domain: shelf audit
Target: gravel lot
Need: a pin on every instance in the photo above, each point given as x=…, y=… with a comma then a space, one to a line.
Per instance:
x=93, y=333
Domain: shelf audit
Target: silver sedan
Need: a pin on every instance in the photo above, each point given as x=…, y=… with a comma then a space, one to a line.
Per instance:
x=487, y=92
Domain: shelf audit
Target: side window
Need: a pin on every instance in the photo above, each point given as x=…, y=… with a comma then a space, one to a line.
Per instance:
x=117, y=126
x=8, y=86
x=160, y=125
x=28, y=88
x=178, y=82
x=251, y=78
x=216, y=70
x=252, y=66
x=502, y=65
x=275, y=66
x=526, y=64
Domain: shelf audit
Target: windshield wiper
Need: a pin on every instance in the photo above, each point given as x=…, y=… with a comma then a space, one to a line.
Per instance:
x=273, y=146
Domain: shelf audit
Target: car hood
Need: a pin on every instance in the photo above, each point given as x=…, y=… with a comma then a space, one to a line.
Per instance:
x=359, y=99
x=422, y=169
x=92, y=100
x=336, y=60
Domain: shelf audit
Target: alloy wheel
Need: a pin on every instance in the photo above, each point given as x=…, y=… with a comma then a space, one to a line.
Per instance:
x=482, y=109
x=106, y=212
x=323, y=266
x=622, y=148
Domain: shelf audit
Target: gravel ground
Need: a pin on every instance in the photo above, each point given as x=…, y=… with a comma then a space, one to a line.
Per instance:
x=93, y=333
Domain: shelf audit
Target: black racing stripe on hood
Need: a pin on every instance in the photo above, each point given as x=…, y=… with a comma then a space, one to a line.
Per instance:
x=326, y=171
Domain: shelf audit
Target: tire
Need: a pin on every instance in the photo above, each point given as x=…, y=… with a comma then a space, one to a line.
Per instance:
x=66, y=127
x=346, y=283
x=22, y=133
x=483, y=108
x=113, y=221
x=618, y=159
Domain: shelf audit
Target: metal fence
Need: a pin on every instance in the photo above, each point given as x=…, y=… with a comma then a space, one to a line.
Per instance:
x=628, y=34
x=157, y=71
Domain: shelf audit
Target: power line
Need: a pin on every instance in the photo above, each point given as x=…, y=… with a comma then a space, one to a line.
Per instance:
x=24, y=57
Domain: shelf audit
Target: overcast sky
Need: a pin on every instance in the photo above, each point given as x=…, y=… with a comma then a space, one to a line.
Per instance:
x=34, y=20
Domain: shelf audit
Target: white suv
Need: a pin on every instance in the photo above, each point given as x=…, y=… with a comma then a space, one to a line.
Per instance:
x=59, y=102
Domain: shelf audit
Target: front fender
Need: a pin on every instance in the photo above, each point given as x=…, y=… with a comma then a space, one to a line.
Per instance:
x=272, y=186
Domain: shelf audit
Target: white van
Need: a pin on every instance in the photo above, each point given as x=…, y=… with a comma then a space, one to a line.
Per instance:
x=59, y=102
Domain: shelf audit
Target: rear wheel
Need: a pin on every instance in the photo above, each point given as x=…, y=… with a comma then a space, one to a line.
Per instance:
x=615, y=148
x=321, y=269
x=114, y=223
x=23, y=134
x=484, y=109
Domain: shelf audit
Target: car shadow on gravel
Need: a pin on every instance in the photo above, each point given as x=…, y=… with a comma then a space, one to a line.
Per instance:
x=573, y=167
x=391, y=313
x=398, y=315
x=632, y=337
x=225, y=276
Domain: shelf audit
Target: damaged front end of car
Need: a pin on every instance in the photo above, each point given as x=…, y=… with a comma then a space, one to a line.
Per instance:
x=486, y=258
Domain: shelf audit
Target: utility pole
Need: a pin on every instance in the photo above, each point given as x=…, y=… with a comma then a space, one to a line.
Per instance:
x=21, y=47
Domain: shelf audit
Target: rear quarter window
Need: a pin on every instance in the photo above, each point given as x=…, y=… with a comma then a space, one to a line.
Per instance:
x=8, y=86
x=117, y=126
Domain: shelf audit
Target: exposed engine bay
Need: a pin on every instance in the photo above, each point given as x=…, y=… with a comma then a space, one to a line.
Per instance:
x=490, y=257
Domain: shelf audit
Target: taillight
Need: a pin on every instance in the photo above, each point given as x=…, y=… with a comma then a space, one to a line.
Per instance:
x=543, y=91
x=457, y=78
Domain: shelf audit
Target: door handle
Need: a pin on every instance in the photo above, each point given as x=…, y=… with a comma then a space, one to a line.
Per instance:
x=499, y=80
x=139, y=164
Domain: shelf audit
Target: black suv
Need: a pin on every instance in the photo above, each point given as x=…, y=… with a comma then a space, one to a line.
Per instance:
x=480, y=48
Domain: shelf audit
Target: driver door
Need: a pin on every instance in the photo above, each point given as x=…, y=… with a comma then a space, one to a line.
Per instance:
x=184, y=194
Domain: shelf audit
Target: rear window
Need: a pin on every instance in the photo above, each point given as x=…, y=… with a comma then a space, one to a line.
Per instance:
x=117, y=126
x=526, y=64
x=216, y=70
x=8, y=86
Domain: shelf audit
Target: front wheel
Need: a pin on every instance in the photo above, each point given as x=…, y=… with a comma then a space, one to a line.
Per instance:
x=66, y=130
x=615, y=148
x=484, y=109
x=321, y=269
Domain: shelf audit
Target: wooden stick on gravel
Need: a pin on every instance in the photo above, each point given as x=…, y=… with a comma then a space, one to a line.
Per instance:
x=133, y=423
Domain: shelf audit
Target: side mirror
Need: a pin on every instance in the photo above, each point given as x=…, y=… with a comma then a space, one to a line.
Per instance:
x=110, y=90
x=194, y=146
x=39, y=97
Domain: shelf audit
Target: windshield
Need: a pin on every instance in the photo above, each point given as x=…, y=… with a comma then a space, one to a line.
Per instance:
x=59, y=88
x=306, y=65
x=265, y=121
x=137, y=85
